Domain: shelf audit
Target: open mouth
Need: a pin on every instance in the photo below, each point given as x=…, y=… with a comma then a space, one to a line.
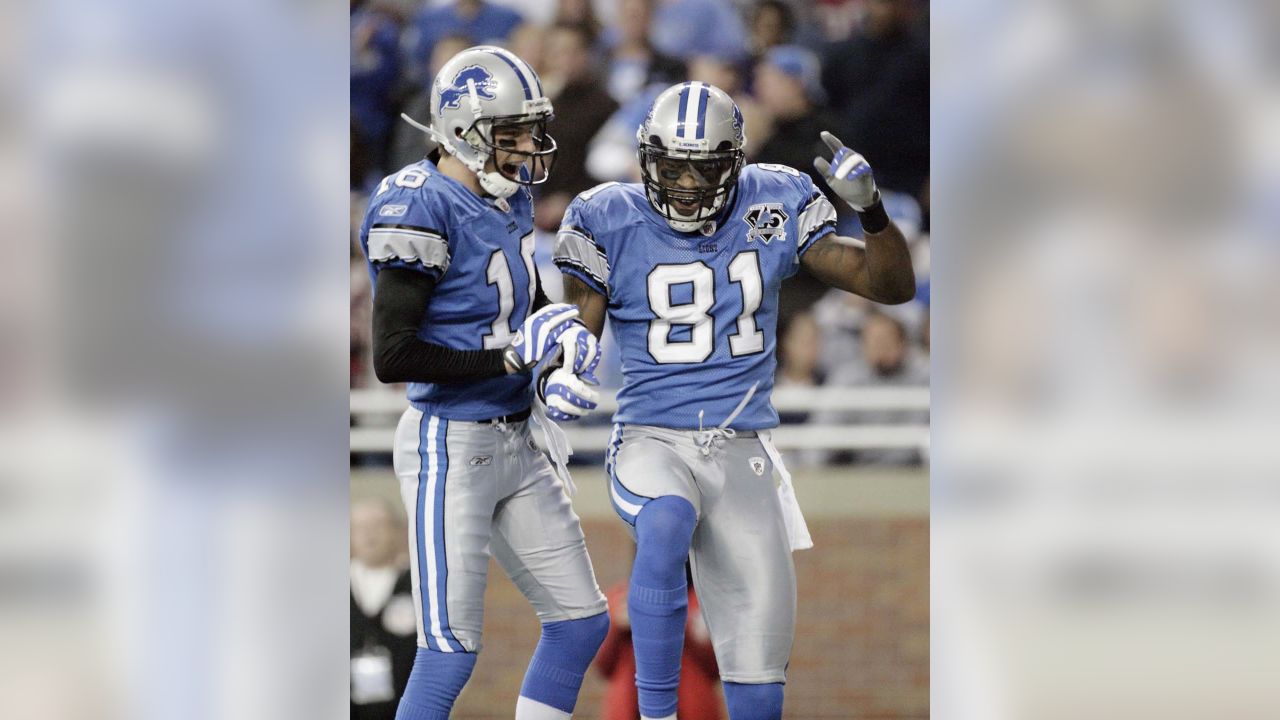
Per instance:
x=510, y=169
x=685, y=207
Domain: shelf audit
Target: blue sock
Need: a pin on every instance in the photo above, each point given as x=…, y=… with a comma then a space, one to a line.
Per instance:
x=434, y=684
x=658, y=600
x=564, y=652
x=753, y=702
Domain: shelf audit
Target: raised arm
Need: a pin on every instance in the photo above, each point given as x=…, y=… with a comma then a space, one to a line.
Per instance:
x=880, y=271
x=878, y=268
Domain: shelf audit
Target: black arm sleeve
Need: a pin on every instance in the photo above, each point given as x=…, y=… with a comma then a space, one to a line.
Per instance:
x=399, y=301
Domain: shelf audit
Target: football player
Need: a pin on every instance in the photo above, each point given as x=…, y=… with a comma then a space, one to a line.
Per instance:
x=687, y=266
x=459, y=315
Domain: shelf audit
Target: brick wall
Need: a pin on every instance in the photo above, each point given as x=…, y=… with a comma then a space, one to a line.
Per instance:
x=862, y=635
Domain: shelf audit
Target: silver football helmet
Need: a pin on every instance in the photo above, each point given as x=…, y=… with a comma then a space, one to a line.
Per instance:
x=478, y=90
x=690, y=151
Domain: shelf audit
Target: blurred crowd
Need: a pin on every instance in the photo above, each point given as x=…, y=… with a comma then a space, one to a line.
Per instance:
x=859, y=68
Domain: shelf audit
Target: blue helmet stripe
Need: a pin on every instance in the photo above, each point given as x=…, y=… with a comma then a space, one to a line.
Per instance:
x=684, y=106
x=703, y=95
x=528, y=94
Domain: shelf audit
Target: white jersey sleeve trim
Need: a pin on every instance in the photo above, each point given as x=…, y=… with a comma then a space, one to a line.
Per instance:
x=410, y=245
x=816, y=216
x=576, y=249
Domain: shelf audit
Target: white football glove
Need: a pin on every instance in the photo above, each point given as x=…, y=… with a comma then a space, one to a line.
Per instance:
x=538, y=335
x=581, y=352
x=848, y=174
x=566, y=396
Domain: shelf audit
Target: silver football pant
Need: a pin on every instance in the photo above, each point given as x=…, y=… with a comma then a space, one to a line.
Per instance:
x=472, y=490
x=741, y=555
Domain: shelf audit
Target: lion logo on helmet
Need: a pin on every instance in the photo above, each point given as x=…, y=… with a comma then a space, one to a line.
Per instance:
x=451, y=97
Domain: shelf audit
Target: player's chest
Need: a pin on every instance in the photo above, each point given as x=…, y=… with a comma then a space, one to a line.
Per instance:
x=489, y=243
x=703, y=275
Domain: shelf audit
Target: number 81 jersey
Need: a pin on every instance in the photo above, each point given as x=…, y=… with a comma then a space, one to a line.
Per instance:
x=695, y=314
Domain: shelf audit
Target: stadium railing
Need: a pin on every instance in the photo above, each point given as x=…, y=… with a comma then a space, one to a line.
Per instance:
x=374, y=413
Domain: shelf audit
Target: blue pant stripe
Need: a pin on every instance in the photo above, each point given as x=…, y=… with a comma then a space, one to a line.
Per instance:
x=442, y=560
x=615, y=483
x=423, y=584
x=610, y=459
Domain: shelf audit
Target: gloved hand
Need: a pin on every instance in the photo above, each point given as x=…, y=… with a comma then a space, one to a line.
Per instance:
x=848, y=174
x=581, y=352
x=538, y=335
x=566, y=396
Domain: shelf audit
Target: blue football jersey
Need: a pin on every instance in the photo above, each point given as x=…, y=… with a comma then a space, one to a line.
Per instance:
x=695, y=314
x=481, y=255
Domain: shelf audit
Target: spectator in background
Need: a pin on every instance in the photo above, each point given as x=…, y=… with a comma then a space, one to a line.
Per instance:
x=888, y=360
x=788, y=86
x=383, y=624
x=529, y=43
x=798, y=352
x=799, y=349
x=727, y=71
x=878, y=81
x=633, y=62
x=408, y=143
x=581, y=108
x=682, y=28
x=841, y=315
x=361, y=326
x=789, y=89
x=483, y=23
x=772, y=23
x=375, y=72
x=612, y=153
x=579, y=12
x=616, y=660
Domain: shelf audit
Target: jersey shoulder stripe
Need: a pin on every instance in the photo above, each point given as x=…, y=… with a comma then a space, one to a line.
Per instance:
x=409, y=244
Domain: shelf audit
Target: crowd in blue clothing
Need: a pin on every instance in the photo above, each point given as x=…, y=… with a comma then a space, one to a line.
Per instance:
x=859, y=68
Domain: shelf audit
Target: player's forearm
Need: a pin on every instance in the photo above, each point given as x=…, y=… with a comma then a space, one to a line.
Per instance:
x=402, y=358
x=591, y=304
x=879, y=270
x=890, y=274
x=400, y=299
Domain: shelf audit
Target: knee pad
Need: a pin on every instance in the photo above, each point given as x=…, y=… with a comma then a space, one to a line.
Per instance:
x=562, y=657
x=664, y=531
x=434, y=684
x=753, y=702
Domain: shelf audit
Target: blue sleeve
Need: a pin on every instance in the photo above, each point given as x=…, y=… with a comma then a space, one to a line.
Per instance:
x=407, y=230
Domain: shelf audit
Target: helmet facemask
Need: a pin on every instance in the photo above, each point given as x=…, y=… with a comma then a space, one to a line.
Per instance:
x=688, y=187
x=512, y=167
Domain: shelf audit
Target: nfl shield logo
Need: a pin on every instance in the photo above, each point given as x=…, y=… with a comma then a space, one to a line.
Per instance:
x=757, y=465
